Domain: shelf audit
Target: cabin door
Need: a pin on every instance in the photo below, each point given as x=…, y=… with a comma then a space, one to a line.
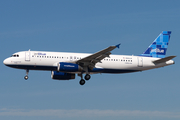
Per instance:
x=27, y=56
x=140, y=62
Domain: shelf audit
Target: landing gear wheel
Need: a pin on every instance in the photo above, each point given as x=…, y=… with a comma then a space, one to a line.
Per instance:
x=82, y=82
x=87, y=77
x=26, y=77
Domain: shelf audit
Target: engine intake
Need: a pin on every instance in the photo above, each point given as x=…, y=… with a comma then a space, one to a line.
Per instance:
x=62, y=76
x=69, y=67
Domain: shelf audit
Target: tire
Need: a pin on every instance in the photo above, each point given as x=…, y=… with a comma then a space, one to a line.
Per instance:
x=82, y=82
x=87, y=77
x=26, y=77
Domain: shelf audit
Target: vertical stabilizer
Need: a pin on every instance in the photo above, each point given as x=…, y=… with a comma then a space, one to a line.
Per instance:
x=159, y=46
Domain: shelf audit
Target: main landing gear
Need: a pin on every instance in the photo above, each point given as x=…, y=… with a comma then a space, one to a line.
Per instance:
x=26, y=77
x=87, y=77
x=82, y=81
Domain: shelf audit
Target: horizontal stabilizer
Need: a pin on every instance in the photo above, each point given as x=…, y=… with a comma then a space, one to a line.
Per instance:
x=163, y=59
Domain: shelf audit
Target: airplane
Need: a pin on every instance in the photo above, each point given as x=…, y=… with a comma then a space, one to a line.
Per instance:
x=65, y=65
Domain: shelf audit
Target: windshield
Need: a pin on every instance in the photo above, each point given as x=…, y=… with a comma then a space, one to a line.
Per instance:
x=15, y=55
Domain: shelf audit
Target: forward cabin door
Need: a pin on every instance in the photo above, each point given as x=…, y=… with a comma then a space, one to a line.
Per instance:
x=27, y=56
x=140, y=62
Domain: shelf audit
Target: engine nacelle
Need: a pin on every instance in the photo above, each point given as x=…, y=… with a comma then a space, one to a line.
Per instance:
x=62, y=76
x=69, y=67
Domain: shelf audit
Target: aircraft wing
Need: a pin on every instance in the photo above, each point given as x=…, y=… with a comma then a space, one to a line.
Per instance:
x=91, y=60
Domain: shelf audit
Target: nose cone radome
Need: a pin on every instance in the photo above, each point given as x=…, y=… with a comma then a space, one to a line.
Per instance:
x=6, y=61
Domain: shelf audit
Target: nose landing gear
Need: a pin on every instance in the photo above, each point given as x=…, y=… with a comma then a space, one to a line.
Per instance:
x=26, y=77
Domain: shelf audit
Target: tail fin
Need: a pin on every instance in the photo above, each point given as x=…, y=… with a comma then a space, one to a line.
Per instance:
x=159, y=46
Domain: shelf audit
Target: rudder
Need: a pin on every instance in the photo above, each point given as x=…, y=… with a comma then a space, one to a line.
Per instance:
x=159, y=46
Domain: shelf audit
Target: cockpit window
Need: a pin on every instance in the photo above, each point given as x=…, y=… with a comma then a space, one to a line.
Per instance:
x=15, y=55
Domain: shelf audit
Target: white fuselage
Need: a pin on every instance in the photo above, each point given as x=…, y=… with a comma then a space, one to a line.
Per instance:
x=42, y=60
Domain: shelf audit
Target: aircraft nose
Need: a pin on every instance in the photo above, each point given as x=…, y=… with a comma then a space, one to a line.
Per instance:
x=6, y=61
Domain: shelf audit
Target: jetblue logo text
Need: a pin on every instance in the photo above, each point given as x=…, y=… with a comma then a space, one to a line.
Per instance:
x=157, y=50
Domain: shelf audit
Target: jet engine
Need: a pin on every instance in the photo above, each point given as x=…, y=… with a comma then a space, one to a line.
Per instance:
x=68, y=67
x=62, y=76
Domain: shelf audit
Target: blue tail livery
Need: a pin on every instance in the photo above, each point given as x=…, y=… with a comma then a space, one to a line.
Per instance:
x=159, y=46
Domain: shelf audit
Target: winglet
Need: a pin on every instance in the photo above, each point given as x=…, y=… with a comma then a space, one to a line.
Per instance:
x=118, y=45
